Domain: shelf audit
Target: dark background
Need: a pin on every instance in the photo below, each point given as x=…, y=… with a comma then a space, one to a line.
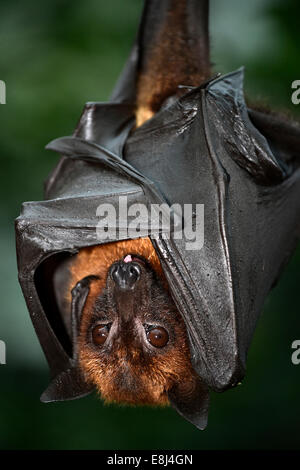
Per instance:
x=54, y=56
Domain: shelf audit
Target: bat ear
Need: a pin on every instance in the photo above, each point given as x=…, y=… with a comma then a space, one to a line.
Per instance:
x=79, y=296
x=191, y=401
x=68, y=385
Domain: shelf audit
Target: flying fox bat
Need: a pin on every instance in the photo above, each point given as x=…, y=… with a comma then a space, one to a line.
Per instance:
x=145, y=319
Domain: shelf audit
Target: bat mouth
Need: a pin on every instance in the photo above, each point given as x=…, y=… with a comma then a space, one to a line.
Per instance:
x=133, y=258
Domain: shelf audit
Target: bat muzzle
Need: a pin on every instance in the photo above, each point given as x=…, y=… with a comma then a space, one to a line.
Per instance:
x=125, y=275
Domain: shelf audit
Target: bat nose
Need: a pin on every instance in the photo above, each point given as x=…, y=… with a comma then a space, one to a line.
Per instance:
x=125, y=275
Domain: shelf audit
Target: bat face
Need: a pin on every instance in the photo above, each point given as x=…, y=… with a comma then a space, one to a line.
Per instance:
x=132, y=342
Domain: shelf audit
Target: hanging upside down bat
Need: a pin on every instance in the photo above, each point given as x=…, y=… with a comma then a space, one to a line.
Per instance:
x=145, y=320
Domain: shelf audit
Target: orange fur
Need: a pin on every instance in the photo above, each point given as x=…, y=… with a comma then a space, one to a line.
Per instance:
x=148, y=381
x=170, y=62
x=97, y=260
x=150, y=384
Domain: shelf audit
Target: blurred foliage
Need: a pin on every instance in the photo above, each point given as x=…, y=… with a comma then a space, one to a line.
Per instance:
x=54, y=56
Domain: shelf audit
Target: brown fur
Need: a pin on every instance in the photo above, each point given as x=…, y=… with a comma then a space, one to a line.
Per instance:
x=170, y=62
x=128, y=373
x=127, y=377
x=97, y=260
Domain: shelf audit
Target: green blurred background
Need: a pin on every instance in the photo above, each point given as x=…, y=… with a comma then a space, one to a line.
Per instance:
x=54, y=56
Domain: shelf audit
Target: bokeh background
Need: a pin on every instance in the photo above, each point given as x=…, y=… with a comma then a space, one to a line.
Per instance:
x=54, y=56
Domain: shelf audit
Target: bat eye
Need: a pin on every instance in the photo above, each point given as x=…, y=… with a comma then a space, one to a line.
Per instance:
x=158, y=337
x=100, y=334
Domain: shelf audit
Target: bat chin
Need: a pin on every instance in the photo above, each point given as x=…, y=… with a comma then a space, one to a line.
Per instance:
x=128, y=389
x=132, y=398
x=121, y=382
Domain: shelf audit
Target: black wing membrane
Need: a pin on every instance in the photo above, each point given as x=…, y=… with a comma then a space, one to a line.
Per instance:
x=208, y=152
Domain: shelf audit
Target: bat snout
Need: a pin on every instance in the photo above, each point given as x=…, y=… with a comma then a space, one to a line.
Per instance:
x=125, y=275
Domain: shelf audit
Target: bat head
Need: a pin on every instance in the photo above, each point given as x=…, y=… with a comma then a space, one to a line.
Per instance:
x=129, y=341
x=132, y=341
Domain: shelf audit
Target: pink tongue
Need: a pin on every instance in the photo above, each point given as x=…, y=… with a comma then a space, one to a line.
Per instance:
x=128, y=259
